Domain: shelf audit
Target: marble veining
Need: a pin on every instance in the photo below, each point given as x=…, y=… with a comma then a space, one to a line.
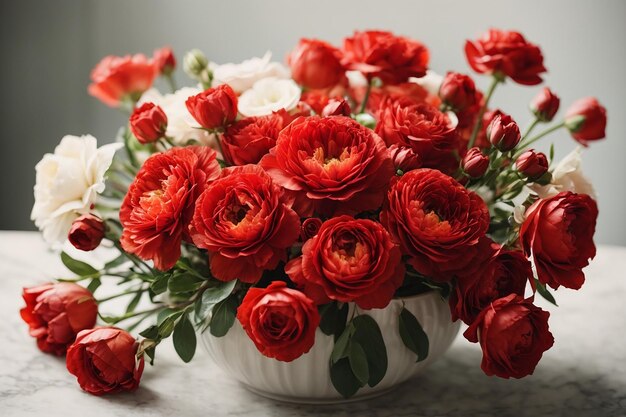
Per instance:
x=584, y=374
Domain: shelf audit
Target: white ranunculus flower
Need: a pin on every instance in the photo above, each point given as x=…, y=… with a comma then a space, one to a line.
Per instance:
x=242, y=76
x=356, y=79
x=269, y=95
x=567, y=176
x=68, y=182
x=430, y=82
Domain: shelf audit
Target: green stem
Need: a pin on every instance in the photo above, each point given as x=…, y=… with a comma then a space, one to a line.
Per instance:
x=138, y=313
x=171, y=82
x=530, y=128
x=479, y=121
x=366, y=98
x=129, y=152
x=536, y=138
x=127, y=292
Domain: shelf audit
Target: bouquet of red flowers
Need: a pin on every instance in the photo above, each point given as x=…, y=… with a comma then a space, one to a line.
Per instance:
x=297, y=199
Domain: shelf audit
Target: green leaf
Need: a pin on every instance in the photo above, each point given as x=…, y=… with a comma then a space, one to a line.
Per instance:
x=93, y=285
x=167, y=326
x=333, y=318
x=358, y=362
x=223, y=317
x=116, y=262
x=210, y=297
x=413, y=335
x=340, y=349
x=368, y=335
x=543, y=291
x=343, y=379
x=133, y=303
x=151, y=332
x=551, y=152
x=165, y=313
x=184, y=339
x=159, y=285
x=80, y=268
x=183, y=283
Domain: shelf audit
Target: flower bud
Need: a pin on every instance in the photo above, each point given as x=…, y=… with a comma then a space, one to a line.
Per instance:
x=195, y=64
x=214, y=108
x=545, y=105
x=474, y=163
x=503, y=133
x=337, y=108
x=532, y=164
x=309, y=228
x=458, y=91
x=164, y=60
x=148, y=123
x=586, y=120
x=404, y=158
x=86, y=232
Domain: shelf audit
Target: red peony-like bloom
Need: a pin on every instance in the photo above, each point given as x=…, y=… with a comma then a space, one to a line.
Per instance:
x=248, y=140
x=116, y=78
x=437, y=222
x=558, y=232
x=55, y=313
x=545, y=105
x=164, y=60
x=104, y=361
x=349, y=260
x=380, y=54
x=213, y=108
x=332, y=164
x=160, y=201
x=586, y=120
x=316, y=64
x=148, y=123
x=87, y=232
x=279, y=320
x=513, y=335
x=424, y=129
x=506, y=53
x=497, y=272
x=245, y=222
x=458, y=91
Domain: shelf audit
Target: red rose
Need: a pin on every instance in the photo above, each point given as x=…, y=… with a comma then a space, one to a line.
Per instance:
x=332, y=164
x=214, y=108
x=507, y=53
x=545, y=105
x=148, y=123
x=437, y=222
x=497, y=272
x=245, y=222
x=55, y=313
x=248, y=140
x=404, y=159
x=160, y=201
x=458, y=91
x=164, y=60
x=503, y=133
x=279, y=320
x=316, y=64
x=532, y=164
x=424, y=129
x=115, y=78
x=475, y=163
x=349, y=260
x=380, y=54
x=586, y=120
x=104, y=360
x=558, y=231
x=513, y=335
x=86, y=232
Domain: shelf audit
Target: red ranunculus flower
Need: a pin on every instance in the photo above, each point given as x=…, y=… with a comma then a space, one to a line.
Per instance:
x=506, y=53
x=404, y=158
x=248, y=140
x=404, y=95
x=424, y=129
x=86, y=232
x=545, y=105
x=513, y=335
x=116, y=78
x=497, y=272
x=164, y=60
x=380, y=54
x=532, y=164
x=214, y=108
x=104, y=360
x=316, y=64
x=245, y=222
x=558, y=232
x=55, y=313
x=349, y=260
x=148, y=123
x=475, y=163
x=279, y=320
x=337, y=108
x=503, y=132
x=332, y=164
x=458, y=91
x=316, y=100
x=586, y=120
x=160, y=201
x=310, y=227
x=437, y=222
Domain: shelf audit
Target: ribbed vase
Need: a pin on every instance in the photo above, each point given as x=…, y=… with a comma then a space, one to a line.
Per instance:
x=307, y=379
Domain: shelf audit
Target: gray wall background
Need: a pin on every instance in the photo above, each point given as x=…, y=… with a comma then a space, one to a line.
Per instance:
x=47, y=49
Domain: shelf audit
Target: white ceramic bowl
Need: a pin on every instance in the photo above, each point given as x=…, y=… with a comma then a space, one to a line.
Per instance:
x=307, y=379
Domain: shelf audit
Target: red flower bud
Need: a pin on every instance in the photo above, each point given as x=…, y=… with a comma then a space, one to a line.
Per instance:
x=404, y=158
x=148, y=123
x=214, y=108
x=458, y=91
x=503, y=133
x=86, y=232
x=532, y=164
x=545, y=105
x=474, y=163
x=586, y=120
x=309, y=228
x=164, y=60
x=337, y=108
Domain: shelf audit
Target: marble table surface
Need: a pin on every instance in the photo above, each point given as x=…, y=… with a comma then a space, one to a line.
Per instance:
x=584, y=374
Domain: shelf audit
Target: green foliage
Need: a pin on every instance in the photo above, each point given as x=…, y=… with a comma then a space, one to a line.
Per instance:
x=223, y=316
x=80, y=268
x=210, y=297
x=543, y=291
x=413, y=335
x=333, y=318
x=184, y=338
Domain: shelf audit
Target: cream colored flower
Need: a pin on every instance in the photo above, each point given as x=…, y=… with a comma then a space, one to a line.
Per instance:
x=269, y=95
x=567, y=176
x=430, y=82
x=244, y=75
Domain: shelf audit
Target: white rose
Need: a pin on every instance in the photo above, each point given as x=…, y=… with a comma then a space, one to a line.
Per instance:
x=68, y=182
x=567, y=176
x=430, y=82
x=242, y=76
x=269, y=95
